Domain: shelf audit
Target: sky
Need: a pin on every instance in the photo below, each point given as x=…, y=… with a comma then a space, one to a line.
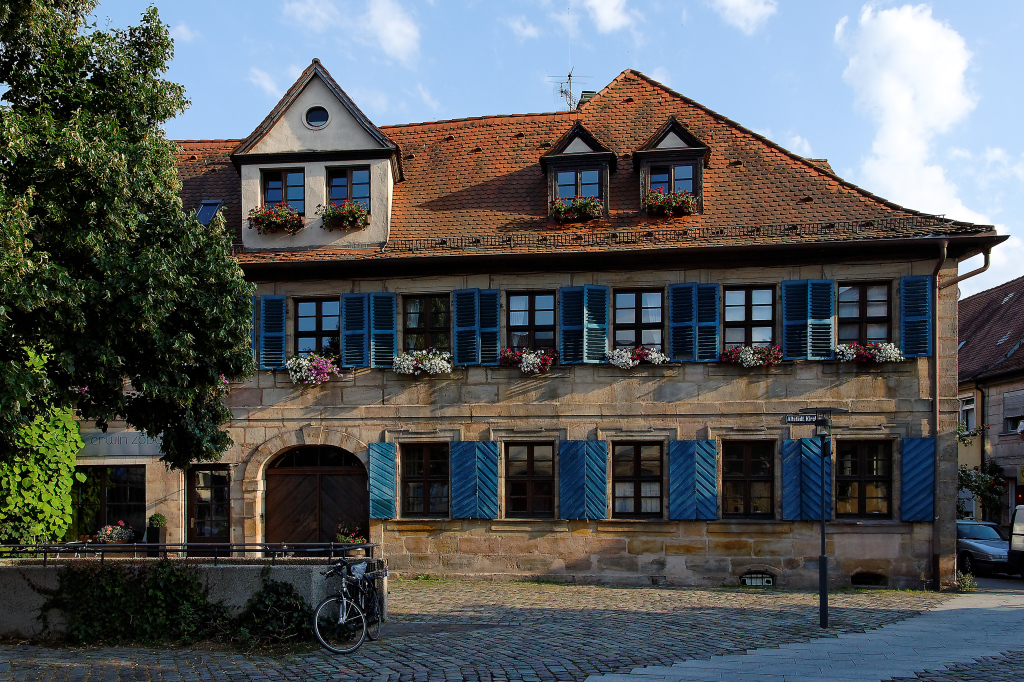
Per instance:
x=914, y=102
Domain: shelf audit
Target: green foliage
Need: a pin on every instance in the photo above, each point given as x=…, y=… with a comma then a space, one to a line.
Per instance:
x=164, y=601
x=134, y=602
x=102, y=273
x=276, y=614
x=157, y=521
x=986, y=484
x=965, y=582
x=35, y=485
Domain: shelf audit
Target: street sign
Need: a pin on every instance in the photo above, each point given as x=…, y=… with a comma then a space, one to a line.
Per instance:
x=801, y=419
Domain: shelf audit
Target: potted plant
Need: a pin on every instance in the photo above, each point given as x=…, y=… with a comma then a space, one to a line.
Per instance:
x=577, y=209
x=311, y=369
x=528, y=361
x=747, y=356
x=350, y=535
x=117, y=534
x=627, y=358
x=431, y=361
x=658, y=202
x=870, y=352
x=346, y=215
x=280, y=217
x=156, y=532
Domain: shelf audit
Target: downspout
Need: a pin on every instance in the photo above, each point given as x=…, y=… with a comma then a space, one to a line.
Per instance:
x=936, y=535
x=943, y=253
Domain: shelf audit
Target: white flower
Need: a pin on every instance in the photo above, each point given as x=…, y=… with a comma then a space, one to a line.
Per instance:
x=845, y=353
x=888, y=352
x=430, y=361
x=622, y=357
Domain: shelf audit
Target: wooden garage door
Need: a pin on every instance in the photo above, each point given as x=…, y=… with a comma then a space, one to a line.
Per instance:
x=310, y=490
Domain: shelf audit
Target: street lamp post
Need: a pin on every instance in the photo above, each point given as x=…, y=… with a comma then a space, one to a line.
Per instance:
x=823, y=422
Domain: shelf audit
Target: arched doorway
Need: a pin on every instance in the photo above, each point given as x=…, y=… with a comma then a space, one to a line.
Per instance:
x=310, y=490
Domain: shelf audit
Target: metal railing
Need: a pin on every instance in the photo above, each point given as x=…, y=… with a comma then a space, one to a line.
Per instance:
x=186, y=550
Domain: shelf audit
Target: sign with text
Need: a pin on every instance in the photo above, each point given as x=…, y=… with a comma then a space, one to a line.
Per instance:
x=801, y=419
x=118, y=443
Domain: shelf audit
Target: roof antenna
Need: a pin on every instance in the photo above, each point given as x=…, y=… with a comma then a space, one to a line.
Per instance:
x=565, y=86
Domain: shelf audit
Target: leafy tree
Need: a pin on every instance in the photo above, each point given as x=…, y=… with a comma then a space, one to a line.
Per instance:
x=102, y=275
x=986, y=485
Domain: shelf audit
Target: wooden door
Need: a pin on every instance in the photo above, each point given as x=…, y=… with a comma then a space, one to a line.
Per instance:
x=343, y=499
x=209, y=505
x=291, y=508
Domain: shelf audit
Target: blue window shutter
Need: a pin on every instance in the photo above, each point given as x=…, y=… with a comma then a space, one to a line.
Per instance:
x=466, y=313
x=682, y=322
x=382, y=480
x=490, y=326
x=821, y=309
x=487, y=479
x=273, y=313
x=582, y=479
x=916, y=316
x=692, y=480
x=570, y=327
x=474, y=473
x=596, y=453
x=917, y=483
x=383, y=329
x=355, y=331
x=810, y=480
x=794, y=319
x=463, y=473
x=707, y=323
x=255, y=325
x=791, y=454
x=595, y=323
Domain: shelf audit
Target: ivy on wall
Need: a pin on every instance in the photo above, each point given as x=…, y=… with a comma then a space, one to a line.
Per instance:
x=35, y=485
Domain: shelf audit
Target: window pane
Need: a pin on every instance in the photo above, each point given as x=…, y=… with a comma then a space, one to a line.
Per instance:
x=734, y=335
x=651, y=337
x=519, y=302
x=544, y=317
x=849, y=294
x=307, y=324
x=330, y=307
x=735, y=297
x=307, y=345
x=519, y=318
x=878, y=292
x=625, y=337
x=878, y=333
x=307, y=308
x=545, y=302
x=849, y=332
x=761, y=312
x=760, y=497
x=849, y=309
x=330, y=324
x=761, y=335
x=519, y=339
x=761, y=296
x=361, y=176
x=878, y=309
x=544, y=339
x=732, y=497
x=659, y=178
x=589, y=177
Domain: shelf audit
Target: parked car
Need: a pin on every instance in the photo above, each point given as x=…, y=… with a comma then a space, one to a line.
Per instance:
x=981, y=547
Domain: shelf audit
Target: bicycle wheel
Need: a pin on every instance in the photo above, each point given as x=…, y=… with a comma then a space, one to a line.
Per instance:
x=340, y=626
x=373, y=613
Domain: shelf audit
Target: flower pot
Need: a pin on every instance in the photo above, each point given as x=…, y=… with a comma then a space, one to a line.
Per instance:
x=358, y=552
x=155, y=536
x=347, y=224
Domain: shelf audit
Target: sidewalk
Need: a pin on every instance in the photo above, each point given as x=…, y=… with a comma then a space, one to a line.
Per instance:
x=988, y=622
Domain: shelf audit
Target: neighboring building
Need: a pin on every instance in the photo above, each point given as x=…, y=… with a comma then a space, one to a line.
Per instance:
x=991, y=374
x=685, y=472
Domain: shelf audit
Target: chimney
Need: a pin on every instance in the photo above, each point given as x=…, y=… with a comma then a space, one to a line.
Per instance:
x=585, y=97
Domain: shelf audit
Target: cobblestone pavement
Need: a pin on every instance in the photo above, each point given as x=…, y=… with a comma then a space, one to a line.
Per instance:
x=498, y=632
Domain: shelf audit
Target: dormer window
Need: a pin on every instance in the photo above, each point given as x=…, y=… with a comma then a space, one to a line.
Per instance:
x=285, y=186
x=578, y=166
x=349, y=184
x=578, y=183
x=670, y=164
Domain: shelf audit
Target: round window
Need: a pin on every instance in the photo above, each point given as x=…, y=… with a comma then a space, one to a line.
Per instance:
x=316, y=117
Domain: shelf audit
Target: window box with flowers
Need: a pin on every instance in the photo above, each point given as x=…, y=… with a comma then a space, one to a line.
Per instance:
x=752, y=356
x=280, y=217
x=577, y=209
x=118, y=534
x=312, y=369
x=528, y=361
x=345, y=215
x=431, y=361
x=627, y=358
x=870, y=352
x=658, y=202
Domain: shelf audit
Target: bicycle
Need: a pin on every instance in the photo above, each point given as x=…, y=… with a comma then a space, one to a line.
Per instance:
x=342, y=621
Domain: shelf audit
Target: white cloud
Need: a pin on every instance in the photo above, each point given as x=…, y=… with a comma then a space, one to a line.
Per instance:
x=522, y=28
x=315, y=15
x=395, y=31
x=568, y=21
x=746, y=15
x=427, y=98
x=264, y=81
x=182, y=33
x=609, y=15
x=373, y=101
x=798, y=145
x=661, y=75
x=907, y=70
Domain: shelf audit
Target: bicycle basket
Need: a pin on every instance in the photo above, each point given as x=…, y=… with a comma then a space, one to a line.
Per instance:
x=358, y=571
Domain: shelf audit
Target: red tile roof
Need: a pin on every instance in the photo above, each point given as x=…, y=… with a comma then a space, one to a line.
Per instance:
x=991, y=329
x=478, y=183
x=206, y=172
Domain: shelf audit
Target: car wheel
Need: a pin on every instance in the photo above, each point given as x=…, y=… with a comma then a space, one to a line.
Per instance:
x=966, y=564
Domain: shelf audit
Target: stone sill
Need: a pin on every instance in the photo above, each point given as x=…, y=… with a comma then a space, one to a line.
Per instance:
x=507, y=373
x=718, y=369
x=666, y=370
x=899, y=368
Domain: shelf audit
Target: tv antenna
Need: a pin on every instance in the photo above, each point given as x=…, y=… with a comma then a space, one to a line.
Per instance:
x=565, y=88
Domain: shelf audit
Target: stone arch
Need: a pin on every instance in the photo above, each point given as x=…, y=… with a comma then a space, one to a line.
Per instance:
x=252, y=467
